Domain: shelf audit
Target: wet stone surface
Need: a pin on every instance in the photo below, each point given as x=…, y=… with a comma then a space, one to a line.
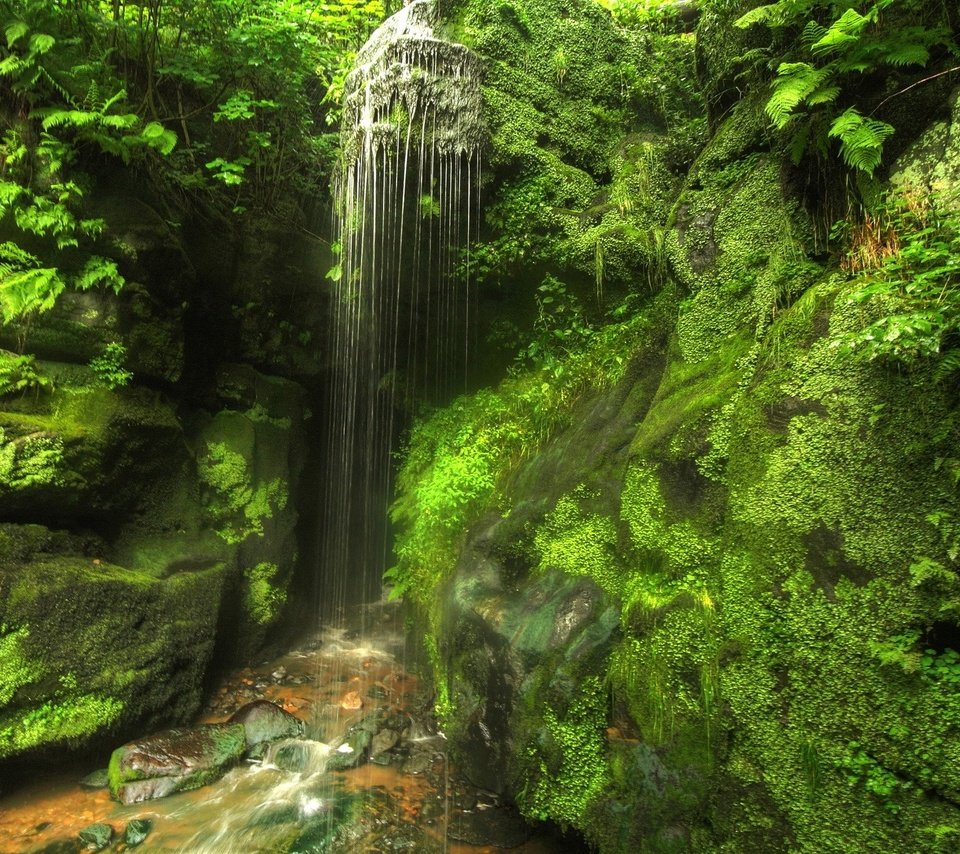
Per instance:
x=395, y=792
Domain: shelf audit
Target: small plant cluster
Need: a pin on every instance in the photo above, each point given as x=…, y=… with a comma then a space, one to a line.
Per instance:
x=908, y=255
x=109, y=368
x=19, y=374
x=862, y=769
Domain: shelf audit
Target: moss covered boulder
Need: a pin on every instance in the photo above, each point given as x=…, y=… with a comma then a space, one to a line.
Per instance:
x=174, y=761
x=88, y=648
x=704, y=597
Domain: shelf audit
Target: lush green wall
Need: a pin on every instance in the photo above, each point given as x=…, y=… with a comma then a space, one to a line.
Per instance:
x=688, y=576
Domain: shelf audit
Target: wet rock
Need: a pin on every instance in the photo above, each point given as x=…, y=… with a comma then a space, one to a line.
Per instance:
x=298, y=757
x=500, y=827
x=351, y=701
x=174, y=761
x=377, y=692
x=383, y=741
x=137, y=831
x=96, y=837
x=279, y=674
x=99, y=779
x=358, y=740
x=418, y=763
x=265, y=721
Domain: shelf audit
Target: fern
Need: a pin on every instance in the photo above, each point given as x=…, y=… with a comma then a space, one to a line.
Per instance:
x=855, y=39
x=948, y=365
x=28, y=292
x=861, y=140
x=796, y=83
x=99, y=272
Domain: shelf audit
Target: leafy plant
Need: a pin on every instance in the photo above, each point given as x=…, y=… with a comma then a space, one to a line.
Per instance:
x=861, y=768
x=19, y=374
x=109, y=366
x=840, y=42
x=913, y=284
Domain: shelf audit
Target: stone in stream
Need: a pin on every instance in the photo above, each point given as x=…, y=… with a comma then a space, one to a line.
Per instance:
x=383, y=741
x=265, y=721
x=174, y=761
x=96, y=837
x=98, y=779
x=137, y=831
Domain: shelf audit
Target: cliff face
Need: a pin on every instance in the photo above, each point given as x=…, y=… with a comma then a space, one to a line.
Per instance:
x=148, y=524
x=704, y=599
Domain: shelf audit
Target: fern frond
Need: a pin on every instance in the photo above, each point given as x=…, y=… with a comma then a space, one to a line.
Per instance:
x=769, y=14
x=948, y=365
x=29, y=292
x=812, y=33
x=904, y=54
x=861, y=140
x=15, y=255
x=796, y=81
x=99, y=272
x=15, y=31
x=115, y=99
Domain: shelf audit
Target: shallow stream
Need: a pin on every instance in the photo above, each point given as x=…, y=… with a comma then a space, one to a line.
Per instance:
x=405, y=798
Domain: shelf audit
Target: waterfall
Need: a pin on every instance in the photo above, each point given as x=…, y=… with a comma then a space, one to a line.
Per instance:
x=407, y=207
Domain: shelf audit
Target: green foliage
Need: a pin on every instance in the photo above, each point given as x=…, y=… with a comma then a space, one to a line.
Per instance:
x=910, y=293
x=263, y=597
x=840, y=42
x=58, y=721
x=16, y=669
x=237, y=504
x=863, y=769
x=109, y=368
x=457, y=459
x=19, y=374
x=34, y=460
x=571, y=759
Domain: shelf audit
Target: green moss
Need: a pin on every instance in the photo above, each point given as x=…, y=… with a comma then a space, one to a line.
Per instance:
x=67, y=720
x=262, y=598
x=16, y=670
x=239, y=506
x=580, y=544
x=570, y=759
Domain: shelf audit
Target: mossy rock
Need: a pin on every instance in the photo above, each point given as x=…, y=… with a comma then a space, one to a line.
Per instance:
x=84, y=451
x=174, y=761
x=89, y=648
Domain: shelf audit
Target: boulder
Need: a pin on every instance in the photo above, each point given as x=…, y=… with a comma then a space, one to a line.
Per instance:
x=174, y=761
x=265, y=721
x=137, y=831
x=96, y=837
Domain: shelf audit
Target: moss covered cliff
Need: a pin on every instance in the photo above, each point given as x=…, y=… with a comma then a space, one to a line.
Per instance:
x=689, y=573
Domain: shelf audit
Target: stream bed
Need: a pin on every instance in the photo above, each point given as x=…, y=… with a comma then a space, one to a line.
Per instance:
x=404, y=797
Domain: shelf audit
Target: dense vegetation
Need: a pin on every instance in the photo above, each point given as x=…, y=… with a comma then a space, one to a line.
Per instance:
x=688, y=565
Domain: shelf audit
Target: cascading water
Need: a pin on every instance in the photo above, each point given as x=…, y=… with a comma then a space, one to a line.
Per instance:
x=407, y=205
x=407, y=201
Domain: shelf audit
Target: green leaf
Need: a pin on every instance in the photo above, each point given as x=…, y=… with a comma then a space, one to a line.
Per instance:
x=16, y=31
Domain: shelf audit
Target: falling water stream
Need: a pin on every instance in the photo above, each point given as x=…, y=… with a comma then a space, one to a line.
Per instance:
x=407, y=200
x=407, y=207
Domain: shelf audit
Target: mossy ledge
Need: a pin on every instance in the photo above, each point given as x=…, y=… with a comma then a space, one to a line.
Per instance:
x=689, y=600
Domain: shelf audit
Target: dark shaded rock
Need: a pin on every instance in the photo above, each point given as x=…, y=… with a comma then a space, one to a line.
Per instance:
x=137, y=831
x=174, y=761
x=96, y=837
x=265, y=721
x=359, y=740
x=99, y=779
x=501, y=827
x=384, y=740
